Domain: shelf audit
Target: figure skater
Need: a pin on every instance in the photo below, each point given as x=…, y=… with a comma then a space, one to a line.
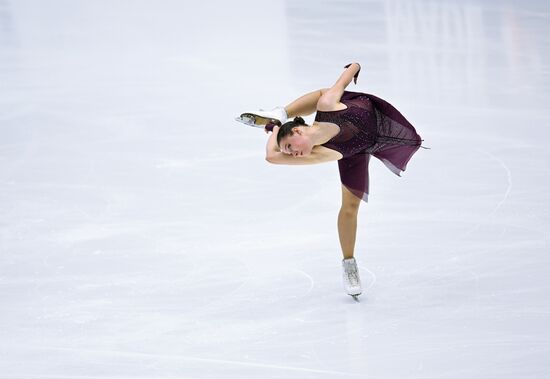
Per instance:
x=349, y=127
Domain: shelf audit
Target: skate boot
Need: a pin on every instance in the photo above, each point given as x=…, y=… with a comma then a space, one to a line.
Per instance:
x=259, y=119
x=352, y=283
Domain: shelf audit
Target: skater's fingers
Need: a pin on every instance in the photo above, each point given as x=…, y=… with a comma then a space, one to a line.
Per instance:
x=356, y=76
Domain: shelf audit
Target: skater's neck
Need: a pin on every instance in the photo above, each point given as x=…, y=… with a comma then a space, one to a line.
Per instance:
x=321, y=134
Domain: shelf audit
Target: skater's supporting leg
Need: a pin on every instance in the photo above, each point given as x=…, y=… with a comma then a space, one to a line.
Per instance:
x=304, y=105
x=347, y=222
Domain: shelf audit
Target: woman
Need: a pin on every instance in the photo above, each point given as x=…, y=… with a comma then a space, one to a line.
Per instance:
x=349, y=127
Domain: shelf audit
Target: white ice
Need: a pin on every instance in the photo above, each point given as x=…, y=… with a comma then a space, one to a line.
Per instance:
x=143, y=235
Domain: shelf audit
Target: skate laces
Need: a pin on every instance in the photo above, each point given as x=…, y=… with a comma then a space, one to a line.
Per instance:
x=353, y=277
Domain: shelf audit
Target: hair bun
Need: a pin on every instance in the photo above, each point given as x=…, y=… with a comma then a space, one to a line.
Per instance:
x=300, y=121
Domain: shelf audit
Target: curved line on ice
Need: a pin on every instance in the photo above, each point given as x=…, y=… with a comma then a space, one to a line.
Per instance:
x=371, y=274
x=312, y=282
x=508, y=177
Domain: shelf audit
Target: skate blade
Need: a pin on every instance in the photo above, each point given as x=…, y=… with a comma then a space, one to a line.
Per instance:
x=257, y=121
x=247, y=120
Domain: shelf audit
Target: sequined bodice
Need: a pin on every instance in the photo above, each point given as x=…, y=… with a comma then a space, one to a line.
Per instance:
x=357, y=124
x=367, y=125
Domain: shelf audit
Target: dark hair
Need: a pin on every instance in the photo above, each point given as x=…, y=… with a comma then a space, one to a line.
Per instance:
x=286, y=128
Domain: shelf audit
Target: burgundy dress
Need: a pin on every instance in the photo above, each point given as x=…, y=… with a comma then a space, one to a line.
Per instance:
x=369, y=126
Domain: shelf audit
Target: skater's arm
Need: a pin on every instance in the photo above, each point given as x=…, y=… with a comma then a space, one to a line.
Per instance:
x=319, y=154
x=304, y=105
x=332, y=96
x=271, y=147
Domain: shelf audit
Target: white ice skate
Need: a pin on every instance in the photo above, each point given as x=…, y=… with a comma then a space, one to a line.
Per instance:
x=261, y=118
x=352, y=282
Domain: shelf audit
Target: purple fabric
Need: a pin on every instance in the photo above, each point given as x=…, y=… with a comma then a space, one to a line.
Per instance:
x=369, y=126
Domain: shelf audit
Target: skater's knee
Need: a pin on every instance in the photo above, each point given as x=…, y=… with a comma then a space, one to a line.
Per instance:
x=350, y=209
x=350, y=202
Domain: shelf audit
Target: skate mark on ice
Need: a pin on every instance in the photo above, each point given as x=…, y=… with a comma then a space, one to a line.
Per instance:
x=506, y=193
x=478, y=225
x=508, y=177
x=229, y=297
x=191, y=358
x=372, y=274
x=312, y=282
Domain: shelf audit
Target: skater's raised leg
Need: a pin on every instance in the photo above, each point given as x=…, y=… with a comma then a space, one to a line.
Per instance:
x=302, y=106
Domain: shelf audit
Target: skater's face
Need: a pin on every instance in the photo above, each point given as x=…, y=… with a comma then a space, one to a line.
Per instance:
x=298, y=144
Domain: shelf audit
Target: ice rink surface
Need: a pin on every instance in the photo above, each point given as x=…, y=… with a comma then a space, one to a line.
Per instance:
x=143, y=235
